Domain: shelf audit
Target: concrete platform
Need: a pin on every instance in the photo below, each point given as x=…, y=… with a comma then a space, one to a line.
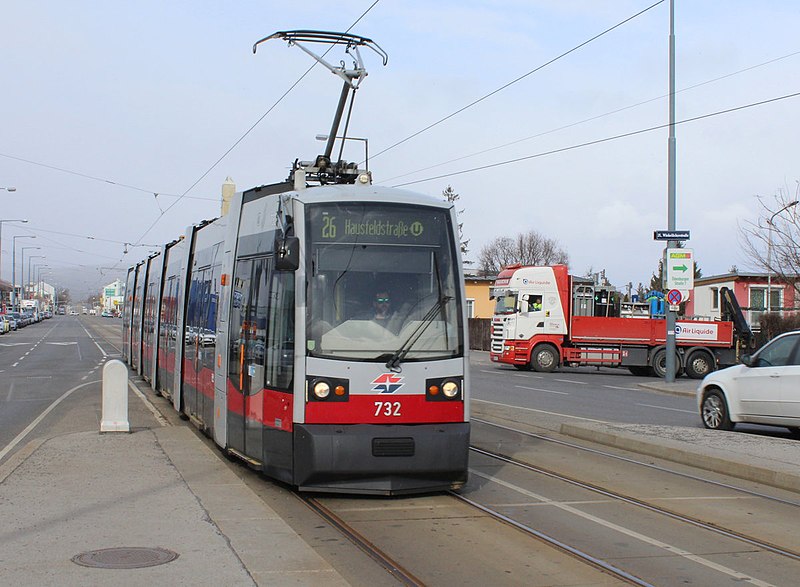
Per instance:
x=158, y=487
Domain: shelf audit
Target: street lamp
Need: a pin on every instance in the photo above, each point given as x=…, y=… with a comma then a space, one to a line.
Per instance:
x=769, y=252
x=29, y=267
x=40, y=271
x=9, y=189
x=22, y=269
x=43, y=270
x=14, y=268
x=1, y=239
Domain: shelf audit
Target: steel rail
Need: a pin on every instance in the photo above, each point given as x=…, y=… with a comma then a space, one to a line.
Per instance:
x=732, y=534
x=379, y=556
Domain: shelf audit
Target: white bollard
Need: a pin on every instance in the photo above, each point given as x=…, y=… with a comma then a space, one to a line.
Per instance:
x=115, y=397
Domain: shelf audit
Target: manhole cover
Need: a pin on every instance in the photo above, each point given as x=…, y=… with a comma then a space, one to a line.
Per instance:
x=125, y=557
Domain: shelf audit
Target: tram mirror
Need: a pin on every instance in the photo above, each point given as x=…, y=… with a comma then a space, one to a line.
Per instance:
x=287, y=253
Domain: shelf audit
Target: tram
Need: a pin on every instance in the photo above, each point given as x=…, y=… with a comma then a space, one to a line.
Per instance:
x=260, y=327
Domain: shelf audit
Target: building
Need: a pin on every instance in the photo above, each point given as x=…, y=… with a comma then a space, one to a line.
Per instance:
x=750, y=291
x=113, y=296
x=477, y=293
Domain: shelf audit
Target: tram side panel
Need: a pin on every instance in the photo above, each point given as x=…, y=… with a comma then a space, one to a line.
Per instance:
x=152, y=298
x=127, y=314
x=200, y=325
x=137, y=309
x=171, y=297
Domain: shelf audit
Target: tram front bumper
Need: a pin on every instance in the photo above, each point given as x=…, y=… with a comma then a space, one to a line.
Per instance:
x=381, y=459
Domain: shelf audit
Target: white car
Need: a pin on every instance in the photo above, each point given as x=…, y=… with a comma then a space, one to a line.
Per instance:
x=765, y=389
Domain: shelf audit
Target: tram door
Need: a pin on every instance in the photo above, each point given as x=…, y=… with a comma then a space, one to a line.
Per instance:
x=246, y=364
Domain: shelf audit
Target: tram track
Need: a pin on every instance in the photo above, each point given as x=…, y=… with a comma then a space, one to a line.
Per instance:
x=389, y=564
x=738, y=515
x=728, y=533
x=651, y=466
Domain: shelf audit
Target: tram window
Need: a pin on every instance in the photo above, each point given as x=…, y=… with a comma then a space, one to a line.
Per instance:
x=279, y=360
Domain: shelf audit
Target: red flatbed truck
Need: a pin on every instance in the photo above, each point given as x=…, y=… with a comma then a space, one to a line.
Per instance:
x=545, y=318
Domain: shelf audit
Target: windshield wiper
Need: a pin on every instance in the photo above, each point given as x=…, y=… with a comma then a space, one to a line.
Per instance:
x=393, y=364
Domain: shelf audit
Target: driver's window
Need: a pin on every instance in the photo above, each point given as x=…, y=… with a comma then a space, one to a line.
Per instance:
x=778, y=353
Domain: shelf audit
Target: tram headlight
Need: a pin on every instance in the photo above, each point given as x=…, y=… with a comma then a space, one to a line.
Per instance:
x=450, y=388
x=322, y=389
x=444, y=389
x=327, y=389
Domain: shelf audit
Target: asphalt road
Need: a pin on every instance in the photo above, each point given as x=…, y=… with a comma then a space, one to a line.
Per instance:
x=41, y=363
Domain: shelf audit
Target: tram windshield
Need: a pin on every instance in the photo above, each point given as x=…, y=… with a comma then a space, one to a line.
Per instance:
x=383, y=283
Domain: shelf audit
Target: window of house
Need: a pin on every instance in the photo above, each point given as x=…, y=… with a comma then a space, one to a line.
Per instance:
x=715, y=298
x=470, y=307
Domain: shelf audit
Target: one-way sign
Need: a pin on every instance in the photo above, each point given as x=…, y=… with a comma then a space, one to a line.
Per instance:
x=671, y=235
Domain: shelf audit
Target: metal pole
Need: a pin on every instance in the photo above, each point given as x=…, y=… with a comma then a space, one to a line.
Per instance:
x=670, y=370
x=769, y=252
x=13, y=272
x=337, y=119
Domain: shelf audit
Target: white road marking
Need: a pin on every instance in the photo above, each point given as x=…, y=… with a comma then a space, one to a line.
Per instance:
x=538, y=411
x=39, y=418
x=663, y=408
x=542, y=390
x=622, y=388
x=572, y=381
x=628, y=532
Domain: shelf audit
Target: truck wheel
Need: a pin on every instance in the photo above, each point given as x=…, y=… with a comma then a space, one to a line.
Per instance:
x=659, y=364
x=699, y=365
x=544, y=358
x=714, y=411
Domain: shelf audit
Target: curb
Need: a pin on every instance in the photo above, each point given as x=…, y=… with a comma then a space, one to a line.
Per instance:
x=673, y=451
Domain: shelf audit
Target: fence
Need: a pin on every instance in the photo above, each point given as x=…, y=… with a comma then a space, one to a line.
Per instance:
x=480, y=334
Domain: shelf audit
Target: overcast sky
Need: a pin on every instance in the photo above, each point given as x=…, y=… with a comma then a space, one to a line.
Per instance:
x=105, y=104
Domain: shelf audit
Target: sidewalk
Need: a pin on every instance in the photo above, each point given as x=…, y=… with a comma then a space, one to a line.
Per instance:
x=153, y=492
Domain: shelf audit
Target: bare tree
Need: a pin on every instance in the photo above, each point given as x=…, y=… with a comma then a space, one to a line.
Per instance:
x=771, y=241
x=529, y=248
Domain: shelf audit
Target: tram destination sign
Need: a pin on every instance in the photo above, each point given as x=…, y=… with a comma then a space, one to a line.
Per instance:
x=377, y=225
x=671, y=235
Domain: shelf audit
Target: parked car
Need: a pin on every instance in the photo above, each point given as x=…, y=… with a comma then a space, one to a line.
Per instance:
x=12, y=320
x=764, y=389
x=5, y=324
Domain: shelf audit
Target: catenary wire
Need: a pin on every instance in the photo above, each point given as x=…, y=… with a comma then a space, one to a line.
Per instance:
x=249, y=130
x=593, y=118
x=599, y=141
x=514, y=81
x=95, y=178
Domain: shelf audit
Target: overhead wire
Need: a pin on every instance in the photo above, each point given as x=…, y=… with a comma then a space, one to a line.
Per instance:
x=252, y=127
x=518, y=79
x=599, y=141
x=95, y=178
x=592, y=118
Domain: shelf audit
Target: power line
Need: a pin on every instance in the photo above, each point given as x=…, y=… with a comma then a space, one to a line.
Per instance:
x=249, y=130
x=598, y=141
x=95, y=178
x=520, y=78
x=585, y=120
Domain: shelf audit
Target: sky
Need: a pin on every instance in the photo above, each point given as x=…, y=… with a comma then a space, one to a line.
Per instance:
x=105, y=104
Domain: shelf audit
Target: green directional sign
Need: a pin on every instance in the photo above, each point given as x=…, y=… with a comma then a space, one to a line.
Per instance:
x=679, y=269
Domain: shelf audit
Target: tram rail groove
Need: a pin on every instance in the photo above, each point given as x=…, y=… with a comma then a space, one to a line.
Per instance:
x=640, y=463
x=379, y=556
x=732, y=534
x=576, y=553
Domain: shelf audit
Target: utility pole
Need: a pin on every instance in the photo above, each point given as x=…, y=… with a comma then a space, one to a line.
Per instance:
x=671, y=346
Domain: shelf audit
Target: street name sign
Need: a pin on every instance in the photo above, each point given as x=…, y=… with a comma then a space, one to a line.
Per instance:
x=671, y=235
